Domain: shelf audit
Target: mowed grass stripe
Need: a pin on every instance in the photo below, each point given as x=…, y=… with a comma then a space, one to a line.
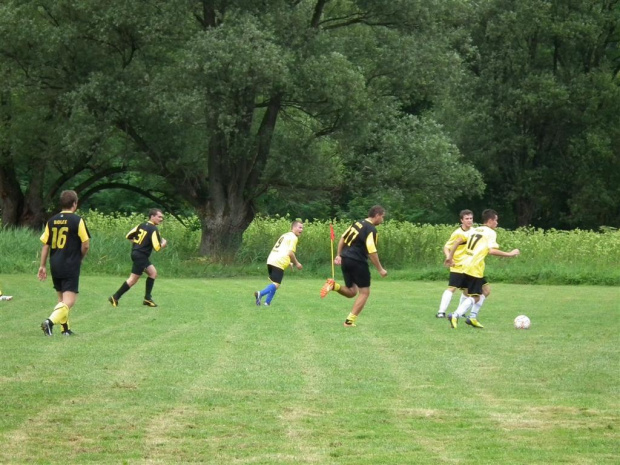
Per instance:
x=208, y=377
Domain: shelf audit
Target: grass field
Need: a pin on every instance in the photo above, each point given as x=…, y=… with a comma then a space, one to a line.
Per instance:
x=207, y=377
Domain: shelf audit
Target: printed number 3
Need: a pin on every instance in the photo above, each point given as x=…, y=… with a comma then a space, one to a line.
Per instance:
x=140, y=237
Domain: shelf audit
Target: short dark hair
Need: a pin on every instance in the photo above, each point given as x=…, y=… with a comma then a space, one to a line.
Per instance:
x=376, y=210
x=295, y=222
x=68, y=198
x=465, y=213
x=488, y=214
x=154, y=211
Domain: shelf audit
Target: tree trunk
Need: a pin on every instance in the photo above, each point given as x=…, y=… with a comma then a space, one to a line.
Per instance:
x=223, y=226
x=11, y=196
x=525, y=211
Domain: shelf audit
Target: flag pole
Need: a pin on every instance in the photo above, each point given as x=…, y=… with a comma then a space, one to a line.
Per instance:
x=331, y=235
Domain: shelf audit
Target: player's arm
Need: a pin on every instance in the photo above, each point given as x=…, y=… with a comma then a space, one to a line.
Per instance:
x=500, y=253
x=338, y=258
x=374, y=258
x=449, y=257
x=42, y=274
x=84, y=237
x=132, y=234
x=294, y=260
x=84, y=248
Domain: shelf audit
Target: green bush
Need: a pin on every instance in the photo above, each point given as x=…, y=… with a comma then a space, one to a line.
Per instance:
x=408, y=251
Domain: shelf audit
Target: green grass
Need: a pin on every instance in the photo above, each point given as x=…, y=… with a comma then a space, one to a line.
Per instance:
x=209, y=378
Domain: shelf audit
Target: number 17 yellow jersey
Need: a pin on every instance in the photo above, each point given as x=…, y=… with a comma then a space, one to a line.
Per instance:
x=480, y=241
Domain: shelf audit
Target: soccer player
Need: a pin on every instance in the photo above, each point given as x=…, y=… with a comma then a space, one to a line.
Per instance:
x=5, y=297
x=145, y=238
x=455, y=281
x=355, y=247
x=66, y=241
x=280, y=258
x=482, y=241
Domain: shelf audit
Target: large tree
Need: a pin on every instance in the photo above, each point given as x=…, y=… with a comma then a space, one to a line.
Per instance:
x=539, y=113
x=227, y=100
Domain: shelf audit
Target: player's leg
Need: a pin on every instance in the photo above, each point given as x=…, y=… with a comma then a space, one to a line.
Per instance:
x=127, y=284
x=269, y=289
x=357, y=276
x=446, y=298
x=68, y=298
x=151, y=272
x=473, y=315
x=66, y=290
x=358, y=306
x=276, y=275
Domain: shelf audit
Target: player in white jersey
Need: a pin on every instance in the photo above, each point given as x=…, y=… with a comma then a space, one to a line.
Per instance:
x=280, y=258
x=482, y=241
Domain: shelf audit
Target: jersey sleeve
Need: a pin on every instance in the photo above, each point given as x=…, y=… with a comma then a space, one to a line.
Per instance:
x=493, y=240
x=45, y=237
x=131, y=234
x=83, y=231
x=371, y=243
x=156, y=240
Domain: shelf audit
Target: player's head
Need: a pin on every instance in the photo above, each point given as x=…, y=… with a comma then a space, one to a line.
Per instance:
x=489, y=218
x=156, y=216
x=467, y=218
x=297, y=227
x=68, y=199
x=376, y=214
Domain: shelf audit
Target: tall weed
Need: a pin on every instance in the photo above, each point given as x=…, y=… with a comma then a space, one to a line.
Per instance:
x=408, y=251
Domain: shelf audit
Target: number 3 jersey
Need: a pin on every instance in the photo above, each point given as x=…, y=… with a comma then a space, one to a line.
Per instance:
x=145, y=238
x=481, y=240
x=64, y=233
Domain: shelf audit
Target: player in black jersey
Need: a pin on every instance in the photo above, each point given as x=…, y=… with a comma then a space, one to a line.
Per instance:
x=66, y=241
x=356, y=246
x=145, y=238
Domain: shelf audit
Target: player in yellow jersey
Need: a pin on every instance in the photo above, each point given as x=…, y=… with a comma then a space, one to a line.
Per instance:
x=455, y=281
x=356, y=246
x=482, y=241
x=66, y=241
x=280, y=258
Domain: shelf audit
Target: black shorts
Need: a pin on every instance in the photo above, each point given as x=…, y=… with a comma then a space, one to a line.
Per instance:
x=355, y=272
x=457, y=280
x=473, y=284
x=140, y=263
x=70, y=284
x=275, y=274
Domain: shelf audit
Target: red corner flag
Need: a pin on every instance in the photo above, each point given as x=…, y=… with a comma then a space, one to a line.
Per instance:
x=331, y=231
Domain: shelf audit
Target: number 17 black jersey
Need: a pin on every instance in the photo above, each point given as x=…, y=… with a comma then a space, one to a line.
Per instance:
x=360, y=240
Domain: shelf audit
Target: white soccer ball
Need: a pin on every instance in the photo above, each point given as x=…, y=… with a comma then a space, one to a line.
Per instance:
x=522, y=322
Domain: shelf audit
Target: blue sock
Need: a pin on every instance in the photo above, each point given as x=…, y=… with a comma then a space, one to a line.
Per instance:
x=270, y=287
x=271, y=295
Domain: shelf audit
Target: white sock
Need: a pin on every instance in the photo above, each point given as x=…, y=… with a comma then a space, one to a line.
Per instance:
x=463, y=297
x=476, y=307
x=460, y=311
x=446, y=297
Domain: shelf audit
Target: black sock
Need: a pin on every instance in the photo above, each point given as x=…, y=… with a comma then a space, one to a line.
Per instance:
x=150, y=282
x=124, y=288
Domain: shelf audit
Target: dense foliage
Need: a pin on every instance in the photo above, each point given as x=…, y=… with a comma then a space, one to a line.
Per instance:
x=409, y=251
x=318, y=108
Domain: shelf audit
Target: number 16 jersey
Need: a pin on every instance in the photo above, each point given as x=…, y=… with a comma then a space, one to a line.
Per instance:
x=64, y=233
